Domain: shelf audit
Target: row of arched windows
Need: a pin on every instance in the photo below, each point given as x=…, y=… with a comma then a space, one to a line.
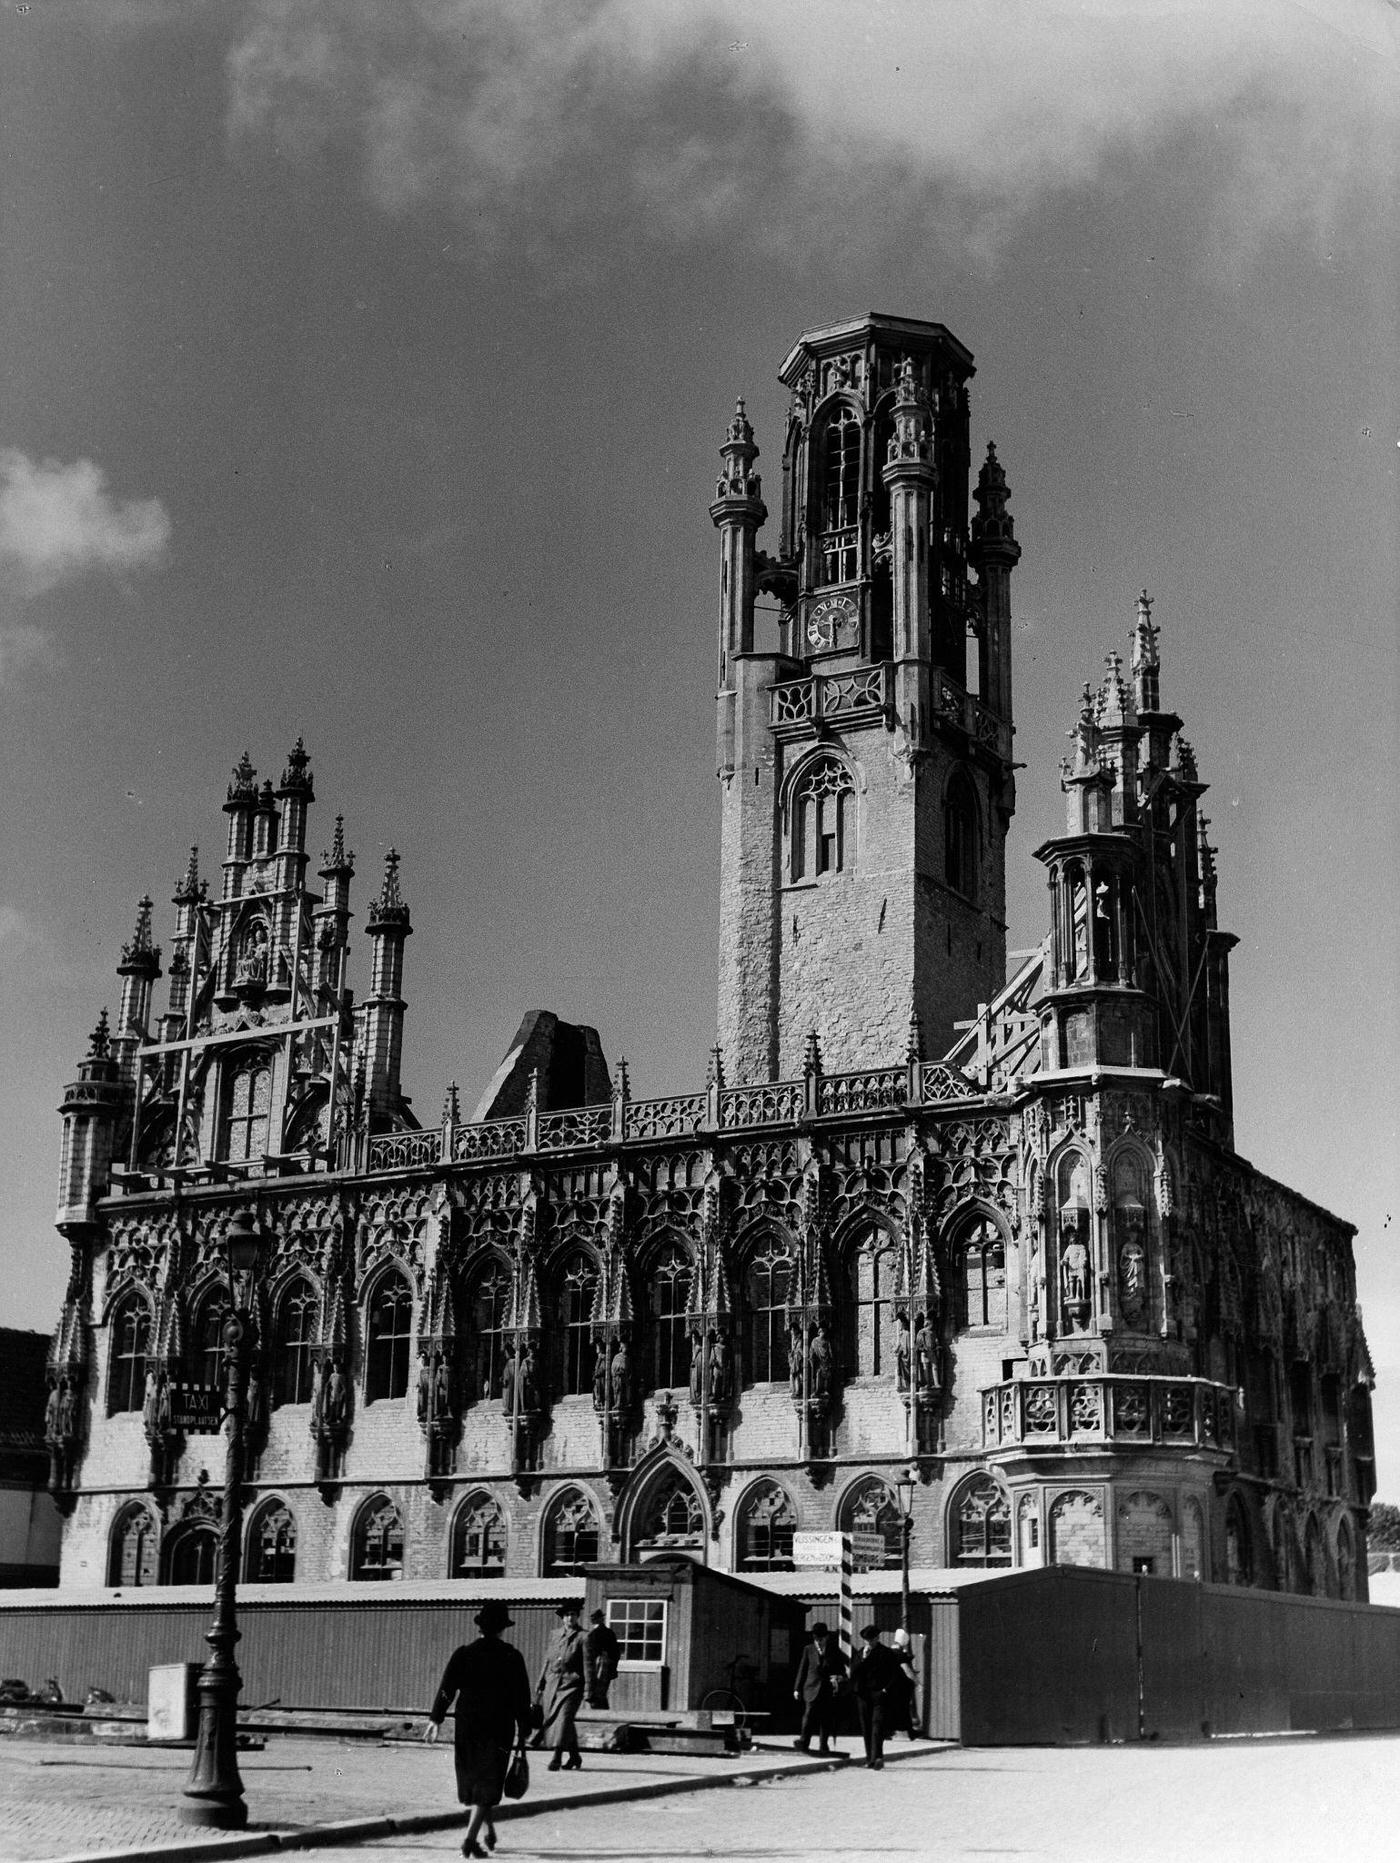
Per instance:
x=864, y=1341
x=671, y=1515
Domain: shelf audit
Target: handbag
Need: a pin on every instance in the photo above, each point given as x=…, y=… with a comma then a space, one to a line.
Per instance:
x=517, y=1780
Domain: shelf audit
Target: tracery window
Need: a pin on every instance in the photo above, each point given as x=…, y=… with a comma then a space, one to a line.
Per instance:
x=982, y=1524
x=570, y=1534
x=673, y=1516
x=207, y=1339
x=478, y=1539
x=983, y=1252
x=132, y=1557
x=840, y=496
x=867, y=1317
x=670, y=1348
x=294, y=1335
x=766, y=1281
x=960, y=836
x=490, y=1307
x=821, y=820
x=130, y=1334
x=248, y=1106
x=272, y=1545
x=871, y=1508
x=767, y=1522
x=191, y=1555
x=390, y=1339
x=577, y=1286
x=376, y=1550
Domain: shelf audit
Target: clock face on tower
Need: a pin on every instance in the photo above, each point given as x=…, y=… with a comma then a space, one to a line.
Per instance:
x=831, y=623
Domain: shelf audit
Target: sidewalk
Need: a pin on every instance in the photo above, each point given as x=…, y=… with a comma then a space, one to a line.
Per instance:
x=64, y=1802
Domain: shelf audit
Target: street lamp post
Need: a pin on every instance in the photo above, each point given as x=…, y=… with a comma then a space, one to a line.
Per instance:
x=214, y=1792
x=905, y=1484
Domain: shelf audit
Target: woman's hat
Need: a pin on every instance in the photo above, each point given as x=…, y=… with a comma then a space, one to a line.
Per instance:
x=493, y=1615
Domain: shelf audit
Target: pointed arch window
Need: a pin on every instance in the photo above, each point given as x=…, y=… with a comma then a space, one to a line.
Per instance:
x=981, y=1524
x=376, y=1550
x=272, y=1545
x=670, y=1351
x=490, y=1310
x=868, y=1316
x=767, y=1523
x=247, y=1107
x=192, y=1554
x=389, y=1339
x=983, y=1252
x=821, y=820
x=570, y=1534
x=478, y=1539
x=294, y=1338
x=673, y=1516
x=960, y=836
x=840, y=496
x=130, y=1335
x=207, y=1339
x=578, y=1284
x=871, y=1508
x=767, y=1279
x=132, y=1559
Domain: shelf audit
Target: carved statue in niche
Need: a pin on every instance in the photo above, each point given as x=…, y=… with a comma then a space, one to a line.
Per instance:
x=797, y=1358
x=620, y=1377
x=442, y=1391
x=425, y=1387
x=1074, y=1276
x=600, y=1375
x=901, y=1355
x=719, y=1369
x=819, y=1367
x=336, y=1400
x=698, y=1349
x=508, y=1384
x=926, y=1355
x=529, y=1381
x=1132, y=1280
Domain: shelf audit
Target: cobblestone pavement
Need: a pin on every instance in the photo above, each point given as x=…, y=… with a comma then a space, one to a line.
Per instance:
x=65, y=1800
x=1278, y=1801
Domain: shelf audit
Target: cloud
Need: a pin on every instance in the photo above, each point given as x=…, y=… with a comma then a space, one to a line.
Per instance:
x=776, y=118
x=58, y=521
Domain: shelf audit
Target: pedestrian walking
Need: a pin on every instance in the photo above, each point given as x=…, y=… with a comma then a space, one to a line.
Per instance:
x=876, y=1672
x=901, y=1714
x=490, y=1684
x=819, y=1685
x=601, y=1652
x=559, y=1692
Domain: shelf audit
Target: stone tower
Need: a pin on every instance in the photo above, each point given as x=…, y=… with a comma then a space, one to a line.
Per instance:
x=866, y=757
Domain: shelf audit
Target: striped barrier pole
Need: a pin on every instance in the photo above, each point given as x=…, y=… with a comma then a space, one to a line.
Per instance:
x=847, y=1607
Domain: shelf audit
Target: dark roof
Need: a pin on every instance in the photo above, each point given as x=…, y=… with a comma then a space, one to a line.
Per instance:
x=23, y=1392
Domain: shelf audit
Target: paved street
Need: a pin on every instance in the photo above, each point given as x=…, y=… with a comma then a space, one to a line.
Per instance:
x=1284, y=1801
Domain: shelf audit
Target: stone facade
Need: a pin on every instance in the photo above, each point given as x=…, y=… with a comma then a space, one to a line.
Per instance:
x=1034, y=1270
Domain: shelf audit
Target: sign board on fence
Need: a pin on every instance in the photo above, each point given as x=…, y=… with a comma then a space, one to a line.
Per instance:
x=817, y=1549
x=868, y=1550
x=196, y=1407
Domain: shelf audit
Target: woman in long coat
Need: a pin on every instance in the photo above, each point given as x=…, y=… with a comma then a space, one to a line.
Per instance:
x=491, y=1686
x=560, y=1691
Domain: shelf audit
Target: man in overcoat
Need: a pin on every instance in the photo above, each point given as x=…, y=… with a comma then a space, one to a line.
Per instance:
x=819, y=1685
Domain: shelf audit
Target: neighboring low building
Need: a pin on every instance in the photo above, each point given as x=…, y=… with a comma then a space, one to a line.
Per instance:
x=590, y=1325
x=31, y=1527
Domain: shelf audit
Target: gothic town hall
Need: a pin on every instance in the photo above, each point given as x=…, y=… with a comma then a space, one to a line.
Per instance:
x=919, y=1210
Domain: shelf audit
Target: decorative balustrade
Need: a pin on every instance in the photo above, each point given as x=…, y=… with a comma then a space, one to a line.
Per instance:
x=862, y=692
x=968, y=713
x=1108, y=1407
x=863, y=1092
x=401, y=1151
x=723, y=1109
x=677, y=1117
x=581, y=1125
x=778, y=1103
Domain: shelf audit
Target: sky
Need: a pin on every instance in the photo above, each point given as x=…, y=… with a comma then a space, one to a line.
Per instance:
x=364, y=370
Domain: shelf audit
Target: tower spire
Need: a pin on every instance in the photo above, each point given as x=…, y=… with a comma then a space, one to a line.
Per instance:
x=1146, y=665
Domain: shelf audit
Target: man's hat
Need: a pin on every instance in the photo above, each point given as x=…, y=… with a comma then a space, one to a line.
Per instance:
x=871, y=1632
x=595, y=1617
x=820, y=1630
x=493, y=1615
x=567, y=1609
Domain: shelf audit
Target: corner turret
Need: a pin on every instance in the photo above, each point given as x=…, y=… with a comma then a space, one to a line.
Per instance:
x=383, y=1009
